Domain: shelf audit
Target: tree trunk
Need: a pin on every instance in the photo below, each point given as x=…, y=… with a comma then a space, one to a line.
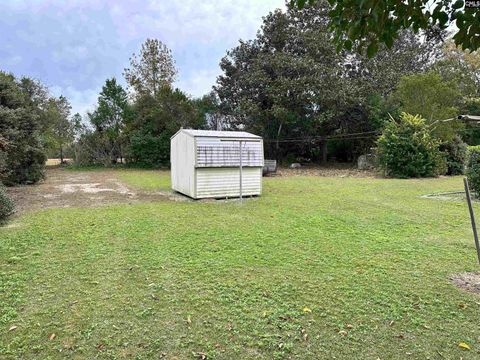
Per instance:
x=323, y=145
x=277, y=148
x=61, y=155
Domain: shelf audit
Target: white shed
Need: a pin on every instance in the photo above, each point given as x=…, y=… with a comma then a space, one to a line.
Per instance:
x=207, y=164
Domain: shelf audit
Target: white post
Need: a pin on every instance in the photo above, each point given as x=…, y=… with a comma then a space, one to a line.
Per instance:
x=241, y=199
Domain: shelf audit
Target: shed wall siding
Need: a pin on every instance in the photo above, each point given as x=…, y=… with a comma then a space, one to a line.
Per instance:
x=182, y=161
x=225, y=182
x=217, y=152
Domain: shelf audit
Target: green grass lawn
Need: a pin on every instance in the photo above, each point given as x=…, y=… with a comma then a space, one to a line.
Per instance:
x=315, y=268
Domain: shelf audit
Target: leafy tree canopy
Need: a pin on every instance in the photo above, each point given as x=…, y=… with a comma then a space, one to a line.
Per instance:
x=366, y=24
x=433, y=98
x=152, y=69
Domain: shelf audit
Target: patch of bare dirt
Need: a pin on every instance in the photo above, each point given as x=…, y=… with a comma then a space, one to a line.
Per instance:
x=327, y=171
x=468, y=281
x=64, y=188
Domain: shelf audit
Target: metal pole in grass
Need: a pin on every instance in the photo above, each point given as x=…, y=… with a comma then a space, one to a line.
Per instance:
x=241, y=199
x=472, y=217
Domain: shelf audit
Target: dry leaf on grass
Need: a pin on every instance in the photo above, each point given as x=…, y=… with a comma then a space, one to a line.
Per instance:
x=464, y=346
x=52, y=336
x=13, y=327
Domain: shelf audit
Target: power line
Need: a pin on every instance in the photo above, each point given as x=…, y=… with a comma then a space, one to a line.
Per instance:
x=350, y=136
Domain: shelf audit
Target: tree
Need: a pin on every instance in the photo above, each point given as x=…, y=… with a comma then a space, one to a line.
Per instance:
x=433, y=98
x=208, y=107
x=291, y=86
x=152, y=69
x=61, y=132
x=286, y=82
x=366, y=24
x=22, y=156
x=111, y=115
x=156, y=120
x=460, y=67
x=408, y=55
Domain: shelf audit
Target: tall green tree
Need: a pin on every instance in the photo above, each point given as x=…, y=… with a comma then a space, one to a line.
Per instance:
x=61, y=130
x=434, y=99
x=288, y=81
x=156, y=119
x=111, y=115
x=22, y=156
x=209, y=109
x=152, y=69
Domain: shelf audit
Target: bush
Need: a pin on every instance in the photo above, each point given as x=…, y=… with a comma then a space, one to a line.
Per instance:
x=93, y=149
x=406, y=149
x=473, y=168
x=149, y=150
x=455, y=152
x=6, y=204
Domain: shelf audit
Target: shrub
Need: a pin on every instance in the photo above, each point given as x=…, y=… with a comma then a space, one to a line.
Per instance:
x=6, y=204
x=149, y=150
x=406, y=149
x=473, y=168
x=455, y=152
x=93, y=148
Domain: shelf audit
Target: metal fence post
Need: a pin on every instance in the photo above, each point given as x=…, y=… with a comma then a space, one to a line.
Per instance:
x=472, y=217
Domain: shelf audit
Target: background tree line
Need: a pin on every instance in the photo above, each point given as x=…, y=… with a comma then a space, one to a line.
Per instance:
x=291, y=85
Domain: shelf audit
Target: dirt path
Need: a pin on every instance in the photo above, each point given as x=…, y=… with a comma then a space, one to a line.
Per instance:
x=64, y=188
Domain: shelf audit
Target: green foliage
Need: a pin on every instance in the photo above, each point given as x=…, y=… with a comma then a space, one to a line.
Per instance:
x=93, y=148
x=456, y=152
x=473, y=168
x=365, y=24
x=156, y=119
x=111, y=116
x=7, y=206
x=434, y=99
x=61, y=131
x=149, y=150
x=278, y=85
x=22, y=156
x=152, y=69
x=407, y=148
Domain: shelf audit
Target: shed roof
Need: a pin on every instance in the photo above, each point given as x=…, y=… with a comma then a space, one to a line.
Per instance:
x=223, y=134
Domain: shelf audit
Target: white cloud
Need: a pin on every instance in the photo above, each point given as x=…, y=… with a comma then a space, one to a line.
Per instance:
x=199, y=83
x=75, y=45
x=82, y=101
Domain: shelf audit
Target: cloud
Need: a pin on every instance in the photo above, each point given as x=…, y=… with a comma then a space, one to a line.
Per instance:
x=74, y=46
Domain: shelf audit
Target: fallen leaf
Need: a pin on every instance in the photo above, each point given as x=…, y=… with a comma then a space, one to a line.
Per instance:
x=52, y=336
x=305, y=337
x=189, y=320
x=307, y=310
x=349, y=326
x=200, y=355
x=343, y=332
x=464, y=346
x=13, y=327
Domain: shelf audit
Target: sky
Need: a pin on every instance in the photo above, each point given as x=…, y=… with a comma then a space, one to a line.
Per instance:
x=73, y=46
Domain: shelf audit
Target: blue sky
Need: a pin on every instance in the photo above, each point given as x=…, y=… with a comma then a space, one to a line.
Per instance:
x=74, y=45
